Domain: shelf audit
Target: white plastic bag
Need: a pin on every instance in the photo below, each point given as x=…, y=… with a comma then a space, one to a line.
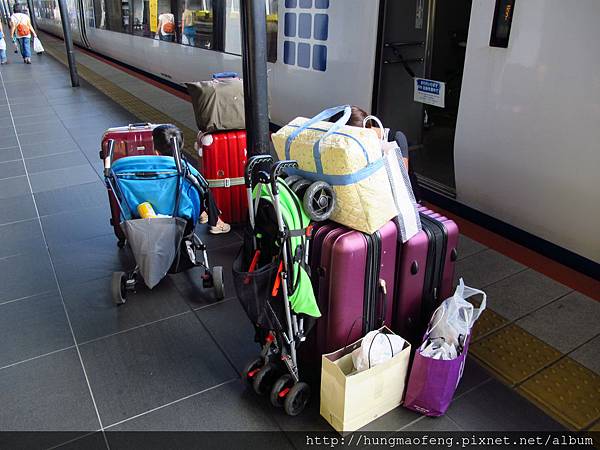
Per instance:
x=2, y=44
x=376, y=348
x=37, y=46
x=451, y=324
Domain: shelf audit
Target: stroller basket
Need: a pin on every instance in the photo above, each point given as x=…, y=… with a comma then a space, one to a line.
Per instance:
x=254, y=290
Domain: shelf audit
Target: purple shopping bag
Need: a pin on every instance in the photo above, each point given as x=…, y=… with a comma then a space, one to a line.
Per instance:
x=432, y=382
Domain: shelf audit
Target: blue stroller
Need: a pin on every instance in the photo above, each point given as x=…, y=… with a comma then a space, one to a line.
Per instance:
x=166, y=243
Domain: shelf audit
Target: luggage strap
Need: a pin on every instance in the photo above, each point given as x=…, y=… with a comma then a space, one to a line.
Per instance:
x=304, y=232
x=226, y=182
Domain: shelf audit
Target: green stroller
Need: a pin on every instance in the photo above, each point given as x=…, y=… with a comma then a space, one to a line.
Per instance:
x=272, y=282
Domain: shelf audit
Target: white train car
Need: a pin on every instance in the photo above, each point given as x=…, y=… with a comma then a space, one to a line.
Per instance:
x=516, y=145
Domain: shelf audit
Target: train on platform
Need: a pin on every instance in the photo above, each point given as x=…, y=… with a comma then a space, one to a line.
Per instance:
x=499, y=99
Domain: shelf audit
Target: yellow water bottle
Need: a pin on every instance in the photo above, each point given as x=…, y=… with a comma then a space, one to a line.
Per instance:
x=146, y=211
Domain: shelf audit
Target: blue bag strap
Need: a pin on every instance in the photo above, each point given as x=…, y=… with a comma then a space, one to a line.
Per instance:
x=217, y=76
x=323, y=115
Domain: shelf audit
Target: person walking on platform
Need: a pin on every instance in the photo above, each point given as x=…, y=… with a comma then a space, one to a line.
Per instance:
x=22, y=29
x=3, y=59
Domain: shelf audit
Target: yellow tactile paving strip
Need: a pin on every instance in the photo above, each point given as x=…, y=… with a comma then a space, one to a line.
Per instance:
x=487, y=323
x=575, y=403
x=142, y=110
x=514, y=354
x=560, y=386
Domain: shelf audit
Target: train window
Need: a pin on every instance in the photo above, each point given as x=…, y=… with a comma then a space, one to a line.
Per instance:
x=209, y=24
x=501, y=26
x=99, y=14
x=89, y=14
x=233, y=27
x=198, y=23
x=47, y=9
x=272, y=28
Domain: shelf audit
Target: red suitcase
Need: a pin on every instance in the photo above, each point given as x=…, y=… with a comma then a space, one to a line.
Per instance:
x=132, y=140
x=425, y=274
x=353, y=276
x=223, y=159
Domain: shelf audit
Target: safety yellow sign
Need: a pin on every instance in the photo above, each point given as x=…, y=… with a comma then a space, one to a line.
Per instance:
x=153, y=15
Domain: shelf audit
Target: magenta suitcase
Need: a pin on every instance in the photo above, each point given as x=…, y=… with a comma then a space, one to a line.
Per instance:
x=353, y=276
x=425, y=273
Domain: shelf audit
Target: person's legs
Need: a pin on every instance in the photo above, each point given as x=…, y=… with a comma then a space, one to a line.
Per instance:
x=2, y=56
x=25, y=48
x=216, y=225
x=27, y=45
x=212, y=209
x=21, y=50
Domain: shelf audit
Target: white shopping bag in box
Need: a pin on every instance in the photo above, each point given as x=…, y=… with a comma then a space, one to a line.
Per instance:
x=352, y=399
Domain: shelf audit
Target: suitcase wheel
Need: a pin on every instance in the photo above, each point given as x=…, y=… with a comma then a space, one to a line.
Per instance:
x=292, y=179
x=319, y=201
x=300, y=186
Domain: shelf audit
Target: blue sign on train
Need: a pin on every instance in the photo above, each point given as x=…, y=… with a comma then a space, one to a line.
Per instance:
x=430, y=92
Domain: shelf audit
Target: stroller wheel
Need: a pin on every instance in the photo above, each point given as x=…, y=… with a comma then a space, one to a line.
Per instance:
x=280, y=390
x=297, y=399
x=119, y=291
x=299, y=187
x=252, y=368
x=319, y=201
x=292, y=179
x=217, y=276
x=264, y=379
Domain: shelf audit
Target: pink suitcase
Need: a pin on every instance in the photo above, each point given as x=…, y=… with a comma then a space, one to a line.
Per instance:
x=353, y=277
x=425, y=273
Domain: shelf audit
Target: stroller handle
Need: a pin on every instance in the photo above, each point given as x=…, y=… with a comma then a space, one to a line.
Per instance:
x=177, y=155
x=108, y=157
x=277, y=169
x=251, y=165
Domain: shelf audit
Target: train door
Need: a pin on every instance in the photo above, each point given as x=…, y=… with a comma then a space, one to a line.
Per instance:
x=423, y=39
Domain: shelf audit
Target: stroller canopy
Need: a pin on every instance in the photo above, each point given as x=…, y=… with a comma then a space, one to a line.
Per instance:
x=154, y=179
x=302, y=299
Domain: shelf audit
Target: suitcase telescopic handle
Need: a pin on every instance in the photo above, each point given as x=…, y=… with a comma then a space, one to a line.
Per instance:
x=278, y=169
x=383, y=299
x=138, y=125
x=253, y=163
x=110, y=150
